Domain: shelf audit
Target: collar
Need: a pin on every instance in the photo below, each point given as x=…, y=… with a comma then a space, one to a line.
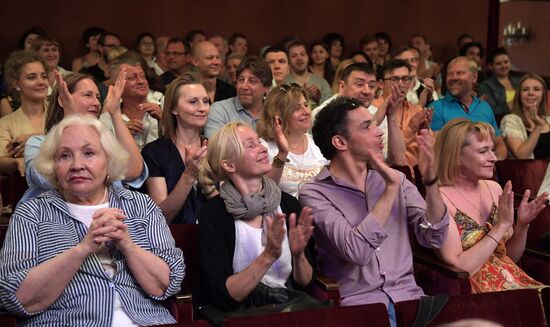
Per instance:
x=237, y=104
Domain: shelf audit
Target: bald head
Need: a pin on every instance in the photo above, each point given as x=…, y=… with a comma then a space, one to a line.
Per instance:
x=206, y=57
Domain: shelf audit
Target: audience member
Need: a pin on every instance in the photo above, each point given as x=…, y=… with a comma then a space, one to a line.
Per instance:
x=207, y=61
x=238, y=44
x=335, y=42
x=100, y=71
x=499, y=89
x=475, y=51
x=320, y=64
x=251, y=241
x=363, y=212
x=173, y=159
x=50, y=51
x=254, y=80
x=369, y=45
x=141, y=117
x=482, y=238
x=28, y=36
x=426, y=67
x=90, y=38
x=461, y=40
x=316, y=87
x=384, y=45
x=421, y=92
x=359, y=56
x=460, y=101
x=87, y=246
x=221, y=44
x=284, y=126
x=194, y=37
x=25, y=73
x=175, y=60
x=338, y=74
x=78, y=94
x=160, y=52
x=231, y=64
x=526, y=130
x=146, y=48
x=277, y=59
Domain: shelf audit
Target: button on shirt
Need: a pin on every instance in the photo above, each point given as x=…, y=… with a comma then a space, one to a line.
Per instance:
x=42, y=228
x=372, y=263
x=450, y=108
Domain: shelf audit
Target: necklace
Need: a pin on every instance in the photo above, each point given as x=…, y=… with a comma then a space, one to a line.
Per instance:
x=301, y=152
x=478, y=208
x=102, y=199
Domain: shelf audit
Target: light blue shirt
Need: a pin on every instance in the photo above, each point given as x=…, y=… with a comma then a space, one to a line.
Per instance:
x=450, y=108
x=226, y=111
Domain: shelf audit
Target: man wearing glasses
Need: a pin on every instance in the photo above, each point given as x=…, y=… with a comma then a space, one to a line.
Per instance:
x=404, y=119
x=362, y=212
x=106, y=42
x=175, y=60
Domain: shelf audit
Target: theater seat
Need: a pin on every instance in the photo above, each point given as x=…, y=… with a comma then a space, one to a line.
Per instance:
x=373, y=315
x=12, y=188
x=518, y=308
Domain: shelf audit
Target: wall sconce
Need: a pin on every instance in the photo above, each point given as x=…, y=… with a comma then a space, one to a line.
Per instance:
x=515, y=34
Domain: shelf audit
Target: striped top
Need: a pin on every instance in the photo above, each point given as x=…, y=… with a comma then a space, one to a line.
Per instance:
x=43, y=228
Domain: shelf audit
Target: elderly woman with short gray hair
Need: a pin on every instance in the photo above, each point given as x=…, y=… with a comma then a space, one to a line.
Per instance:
x=88, y=252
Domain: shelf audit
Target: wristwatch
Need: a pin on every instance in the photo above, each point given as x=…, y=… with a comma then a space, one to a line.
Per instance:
x=279, y=163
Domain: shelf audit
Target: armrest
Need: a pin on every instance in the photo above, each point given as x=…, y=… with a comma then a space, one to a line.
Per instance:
x=326, y=283
x=184, y=296
x=537, y=253
x=6, y=318
x=446, y=269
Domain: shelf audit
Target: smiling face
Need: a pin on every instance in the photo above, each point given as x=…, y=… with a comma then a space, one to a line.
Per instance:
x=319, y=55
x=336, y=49
x=50, y=54
x=239, y=46
x=501, y=65
x=359, y=85
x=477, y=159
x=300, y=120
x=86, y=99
x=411, y=57
x=207, y=59
x=80, y=164
x=254, y=162
x=250, y=89
x=531, y=93
x=136, y=83
x=371, y=49
x=298, y=59
x=278, y=62
x=33, y=82
x=460, y=79
x=193, y=106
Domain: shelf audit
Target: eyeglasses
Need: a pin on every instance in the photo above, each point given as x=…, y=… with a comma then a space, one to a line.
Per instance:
x=351, y=103
x=396, y=79
x=288, y=87
x=173, y=53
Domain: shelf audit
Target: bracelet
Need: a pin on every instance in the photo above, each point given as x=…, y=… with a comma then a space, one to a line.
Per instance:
x=430, y=182
x=494, y=239
x=278, y=162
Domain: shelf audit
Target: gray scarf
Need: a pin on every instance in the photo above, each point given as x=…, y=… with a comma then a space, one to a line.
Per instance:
x=246, y=207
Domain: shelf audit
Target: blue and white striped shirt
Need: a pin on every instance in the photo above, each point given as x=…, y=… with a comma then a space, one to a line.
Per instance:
x=43, y=228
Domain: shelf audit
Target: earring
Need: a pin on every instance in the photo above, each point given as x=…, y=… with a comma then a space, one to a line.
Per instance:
x=107, y=180
x=18, y=89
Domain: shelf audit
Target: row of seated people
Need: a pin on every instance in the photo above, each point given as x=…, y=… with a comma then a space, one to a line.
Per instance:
x=246, y=240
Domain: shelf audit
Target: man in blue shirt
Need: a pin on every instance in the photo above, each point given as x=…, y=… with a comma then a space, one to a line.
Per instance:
x=460, y=101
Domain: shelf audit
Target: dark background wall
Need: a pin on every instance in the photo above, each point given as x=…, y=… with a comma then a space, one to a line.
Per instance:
x=533, y=55
x=264, y=22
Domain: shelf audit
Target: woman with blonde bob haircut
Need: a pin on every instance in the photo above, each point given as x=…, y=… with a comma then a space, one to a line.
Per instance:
x=173, y=159
x=283, y=127
x=244, y=245
x=482, y=238
x=89, y=252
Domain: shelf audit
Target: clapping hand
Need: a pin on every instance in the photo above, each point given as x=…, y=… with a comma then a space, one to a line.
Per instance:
x=529, y=210
x=300, y=233
x=112, y=101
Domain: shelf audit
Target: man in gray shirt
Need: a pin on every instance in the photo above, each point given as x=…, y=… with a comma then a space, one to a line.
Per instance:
x=253, y=82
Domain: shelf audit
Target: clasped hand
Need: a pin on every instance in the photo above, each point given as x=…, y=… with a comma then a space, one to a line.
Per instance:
x=107, y=226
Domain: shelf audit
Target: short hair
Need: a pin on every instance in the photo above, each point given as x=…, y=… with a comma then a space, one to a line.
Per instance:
x=117, y=156
x=392, y=65
x=101, y=40
x=450, y=141
x=274, y=49
x=386, y=37
x=234, y=55
x=360, y=53
x=332, y=121
x=43, y=40
x=495, y=53
x=366, y=40
x=420, y=36
x=168, y=121
x=223, y=145
x=33, y=30
x=280, y=101
x=516, y=103
x=55, y=112
x=294, y=45
x=471, y=64
x=91, y=31
x=357, y=66
x=233, y=38
x=258, y=67
x=173, y=40
x=461, y=37
x=405, y=48
x=15, y=63
x=124, y=59
x=191, y=35
x=464, y=49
